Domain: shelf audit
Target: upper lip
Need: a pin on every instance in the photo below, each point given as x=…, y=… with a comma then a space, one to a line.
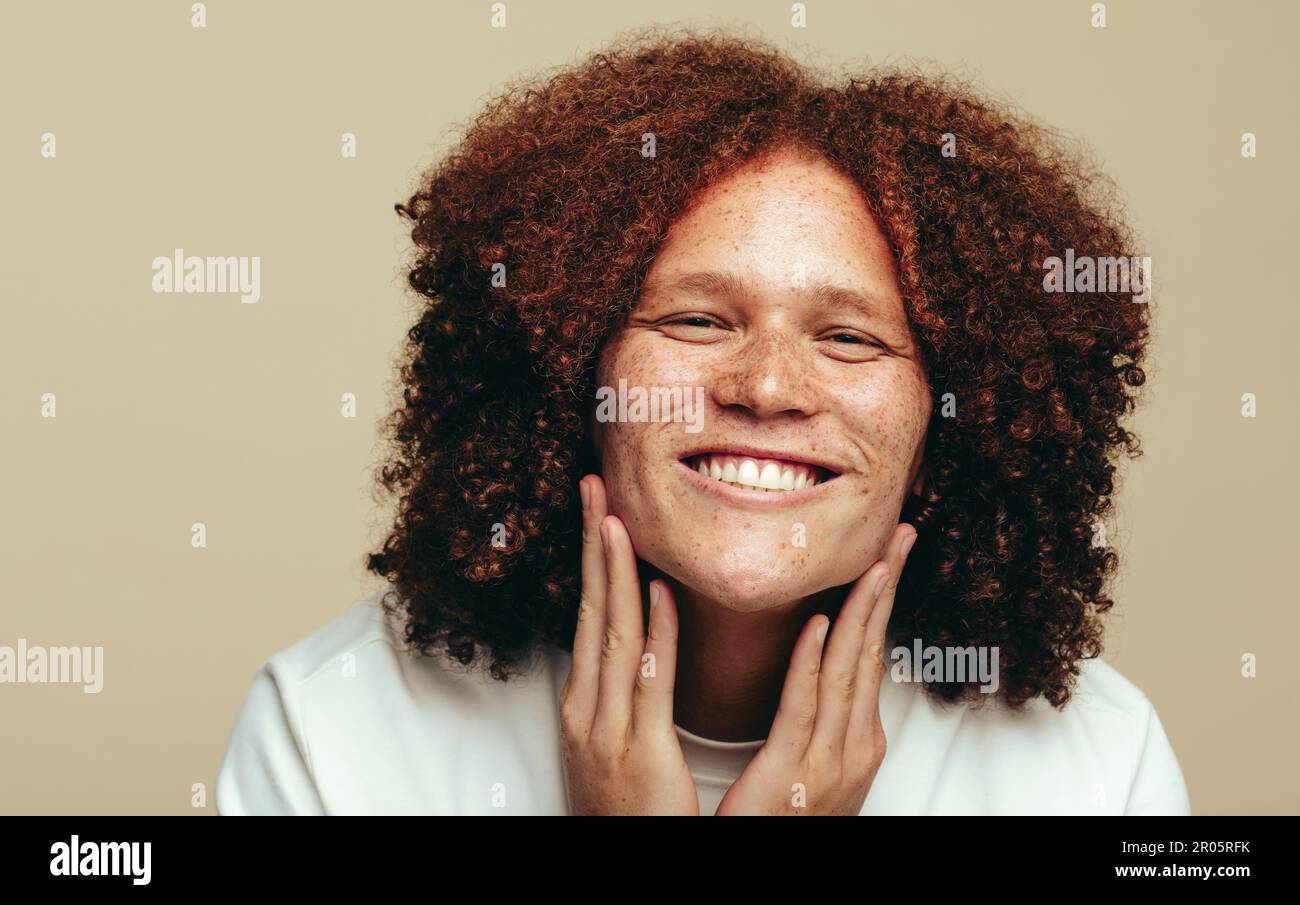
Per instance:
x=754, y=452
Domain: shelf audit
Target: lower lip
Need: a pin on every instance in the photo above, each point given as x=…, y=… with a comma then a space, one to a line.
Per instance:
x=759, y=499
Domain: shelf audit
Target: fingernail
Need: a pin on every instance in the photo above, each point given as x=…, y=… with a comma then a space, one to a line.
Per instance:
x=880, y=585
x=821, y=631
x=584, y=492
x=907, y=545
x=654, y=594
x=604, y=536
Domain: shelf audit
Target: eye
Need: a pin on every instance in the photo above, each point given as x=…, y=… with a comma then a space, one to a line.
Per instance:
x=693, y=328
x=854, y=338
x=851, y=346
x=693, y=320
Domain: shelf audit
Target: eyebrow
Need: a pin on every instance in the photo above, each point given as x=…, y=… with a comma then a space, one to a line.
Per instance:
x=722, y=284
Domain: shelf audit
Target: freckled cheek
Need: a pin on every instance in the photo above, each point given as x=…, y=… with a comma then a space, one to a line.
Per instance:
x=634, y=452
x=891, y=416
x=643, y=362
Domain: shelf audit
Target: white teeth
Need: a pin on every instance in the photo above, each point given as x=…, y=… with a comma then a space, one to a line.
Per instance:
x=756, y=474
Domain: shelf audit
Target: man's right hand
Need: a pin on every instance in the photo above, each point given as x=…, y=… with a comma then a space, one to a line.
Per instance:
x=621, y=751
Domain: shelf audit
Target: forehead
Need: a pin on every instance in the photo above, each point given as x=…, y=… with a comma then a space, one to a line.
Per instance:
x=788, y=217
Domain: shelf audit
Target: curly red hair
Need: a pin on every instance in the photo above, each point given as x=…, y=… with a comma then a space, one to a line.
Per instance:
x=550, y=181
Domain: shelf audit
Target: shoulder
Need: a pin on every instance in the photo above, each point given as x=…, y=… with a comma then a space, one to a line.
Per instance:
x=1103, y=690
x=1114, y=724
x=345, y=700
x=1110, y=711
x=359, y=663
x=1104, y=752
x=267, y=767
x=1106, y=712
x=363, y=630
x=1155, y=778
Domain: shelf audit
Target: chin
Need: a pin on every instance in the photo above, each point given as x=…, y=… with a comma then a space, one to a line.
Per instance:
x=749, y=580
x=748, y=548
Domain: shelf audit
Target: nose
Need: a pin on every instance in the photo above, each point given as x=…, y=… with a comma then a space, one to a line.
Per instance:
x=768, y=374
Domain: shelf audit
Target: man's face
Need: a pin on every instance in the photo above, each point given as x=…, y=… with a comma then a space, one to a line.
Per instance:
x=776, y=293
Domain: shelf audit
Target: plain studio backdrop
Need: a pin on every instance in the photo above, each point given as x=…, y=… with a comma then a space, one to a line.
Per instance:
x=177, y=409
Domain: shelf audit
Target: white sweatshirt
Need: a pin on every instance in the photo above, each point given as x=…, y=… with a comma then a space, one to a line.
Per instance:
x=347, y=722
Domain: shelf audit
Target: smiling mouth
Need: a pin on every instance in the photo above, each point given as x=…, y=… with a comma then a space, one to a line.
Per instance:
x=755, y=473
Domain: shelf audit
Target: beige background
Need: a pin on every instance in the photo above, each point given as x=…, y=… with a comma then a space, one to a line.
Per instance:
x=184, y=408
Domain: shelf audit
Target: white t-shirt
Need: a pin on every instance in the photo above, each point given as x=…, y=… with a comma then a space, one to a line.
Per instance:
x=348, y=722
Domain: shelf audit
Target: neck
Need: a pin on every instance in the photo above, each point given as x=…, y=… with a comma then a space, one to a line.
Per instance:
x=731, y=665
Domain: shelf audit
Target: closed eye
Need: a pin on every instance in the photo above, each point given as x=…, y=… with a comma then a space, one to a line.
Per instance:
x=856, y=339
x=852, y=347
x=692, y=328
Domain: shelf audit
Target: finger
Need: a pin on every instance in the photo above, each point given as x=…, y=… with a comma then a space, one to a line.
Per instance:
x=867, y=705
x=841, y=665
x=581, y=691
x=652, y=704
x=797, y=712
x=624, y=639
